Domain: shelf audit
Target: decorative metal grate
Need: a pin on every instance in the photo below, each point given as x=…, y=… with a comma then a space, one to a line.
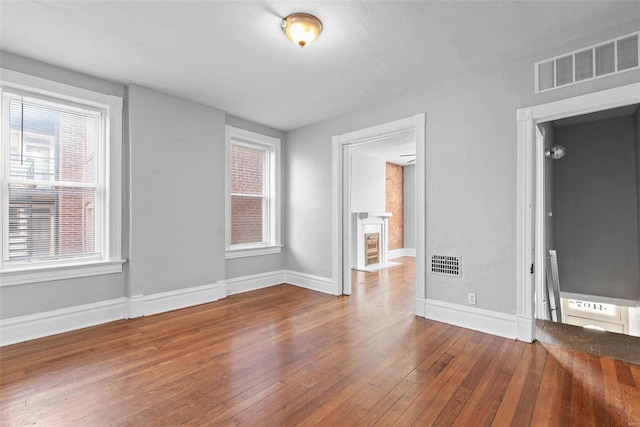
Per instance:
x=446, y=265
x=592, y=62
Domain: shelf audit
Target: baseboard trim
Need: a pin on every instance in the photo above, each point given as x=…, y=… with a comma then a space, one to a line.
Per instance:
x=397, y=253
x=24, y=328
x=39, y=325
x=182, y=298
x=525, y=329
x=490, y=322
x=253, y=282
x=310, y=281
x=421, y=304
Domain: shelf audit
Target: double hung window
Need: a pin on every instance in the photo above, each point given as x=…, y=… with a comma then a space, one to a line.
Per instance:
x=60, y=212
x=253, y=186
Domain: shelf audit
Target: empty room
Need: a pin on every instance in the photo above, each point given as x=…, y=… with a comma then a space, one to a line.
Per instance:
x=323, y=213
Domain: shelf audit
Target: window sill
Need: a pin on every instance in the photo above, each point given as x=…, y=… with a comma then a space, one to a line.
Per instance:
x=244, y=252
x=35, y=274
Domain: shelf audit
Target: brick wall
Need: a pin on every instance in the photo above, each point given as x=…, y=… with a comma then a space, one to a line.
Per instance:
x=75, y=165
x=246, y=178
x=394, y=204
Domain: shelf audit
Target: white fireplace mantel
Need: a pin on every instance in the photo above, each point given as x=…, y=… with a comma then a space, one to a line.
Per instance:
x=370, y=222
x=365, y=215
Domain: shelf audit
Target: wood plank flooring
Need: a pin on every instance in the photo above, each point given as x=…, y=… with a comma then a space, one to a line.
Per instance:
x=289, y=356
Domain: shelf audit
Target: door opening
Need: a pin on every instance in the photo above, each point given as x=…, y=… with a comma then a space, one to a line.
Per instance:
x=532, y=216
x=591, y=220
x=355, y=210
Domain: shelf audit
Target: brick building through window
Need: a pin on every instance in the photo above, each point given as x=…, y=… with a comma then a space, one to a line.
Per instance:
x=51, y=181
x=253, y=186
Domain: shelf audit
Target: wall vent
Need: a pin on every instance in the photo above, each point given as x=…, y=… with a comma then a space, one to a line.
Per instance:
x=600, y=60
x=446, y=265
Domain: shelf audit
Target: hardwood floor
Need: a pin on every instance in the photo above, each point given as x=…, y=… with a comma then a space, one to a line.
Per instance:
x=290, y=356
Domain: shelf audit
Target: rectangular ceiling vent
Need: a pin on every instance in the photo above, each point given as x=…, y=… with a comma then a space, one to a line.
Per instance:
x=600, y=60
x=446, y=265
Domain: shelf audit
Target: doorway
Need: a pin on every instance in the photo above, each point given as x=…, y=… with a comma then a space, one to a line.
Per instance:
x=591, y=220
x=532, y=216
x=343, y=220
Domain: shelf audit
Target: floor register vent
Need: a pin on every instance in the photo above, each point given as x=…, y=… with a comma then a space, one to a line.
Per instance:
x=446, y=265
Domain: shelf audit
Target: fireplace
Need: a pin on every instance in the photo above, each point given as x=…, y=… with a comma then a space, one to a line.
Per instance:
x=372, y=248
x=370, y=237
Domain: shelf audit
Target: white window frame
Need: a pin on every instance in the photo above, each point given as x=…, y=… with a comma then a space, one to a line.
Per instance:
x=272, y=216
x=111, y=221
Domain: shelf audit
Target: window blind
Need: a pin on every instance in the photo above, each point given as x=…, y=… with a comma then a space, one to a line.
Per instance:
x=51, y=179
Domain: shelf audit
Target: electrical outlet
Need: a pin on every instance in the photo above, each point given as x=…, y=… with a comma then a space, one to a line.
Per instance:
x=471, y=298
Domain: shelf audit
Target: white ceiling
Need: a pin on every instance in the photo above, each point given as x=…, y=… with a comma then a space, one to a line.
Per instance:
x=233, y=55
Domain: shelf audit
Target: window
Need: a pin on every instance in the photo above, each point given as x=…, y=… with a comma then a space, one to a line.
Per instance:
x=61, y=178
x=253, y=187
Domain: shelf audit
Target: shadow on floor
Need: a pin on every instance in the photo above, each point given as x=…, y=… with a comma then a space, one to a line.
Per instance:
x=601, y=343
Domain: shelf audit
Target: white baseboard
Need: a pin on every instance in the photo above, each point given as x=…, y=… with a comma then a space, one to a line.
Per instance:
x=23, y=328
x=238, y=285
x=421, y=307
x=490, y=322
x=182, y=298
x=525, y=331
x=309, y=281
x=397, y=253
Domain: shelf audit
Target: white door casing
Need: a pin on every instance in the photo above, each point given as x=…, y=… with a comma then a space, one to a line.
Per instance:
x=341, y=175
x=530, y=202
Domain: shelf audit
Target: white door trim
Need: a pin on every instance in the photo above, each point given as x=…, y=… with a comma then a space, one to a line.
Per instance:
x=530, y=222
x=341, y=199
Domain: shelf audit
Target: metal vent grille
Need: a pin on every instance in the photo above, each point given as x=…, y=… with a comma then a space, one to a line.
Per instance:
x=446, y=265
x=604, y=59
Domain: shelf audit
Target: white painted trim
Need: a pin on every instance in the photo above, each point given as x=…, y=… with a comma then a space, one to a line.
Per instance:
x=23, y=328
x=490, y=322
x=397, y=253
x=252, y=251
x=253, y=282
x=421, y=305
x=525, y=329
x=182, y=298
x=135, y=306
x=110, y=216
x=21, y=276
x=341, y=143
x=531, y=227
x=272, y=234
x=316, y=283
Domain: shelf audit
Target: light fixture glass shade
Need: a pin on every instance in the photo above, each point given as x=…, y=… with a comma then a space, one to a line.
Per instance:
x=301, y=28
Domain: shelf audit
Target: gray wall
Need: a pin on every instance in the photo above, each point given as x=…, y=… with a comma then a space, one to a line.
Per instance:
x=33, y=298
x=409, y=207
x=597, y=209
x=173, y=200
x=239, y=267
x=368, y=183
x=470, y=172
x=177, y=193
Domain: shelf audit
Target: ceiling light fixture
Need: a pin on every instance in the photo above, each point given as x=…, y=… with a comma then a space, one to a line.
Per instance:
x=301, y=28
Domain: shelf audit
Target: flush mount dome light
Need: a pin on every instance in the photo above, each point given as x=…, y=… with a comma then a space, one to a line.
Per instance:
x=301, y=28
